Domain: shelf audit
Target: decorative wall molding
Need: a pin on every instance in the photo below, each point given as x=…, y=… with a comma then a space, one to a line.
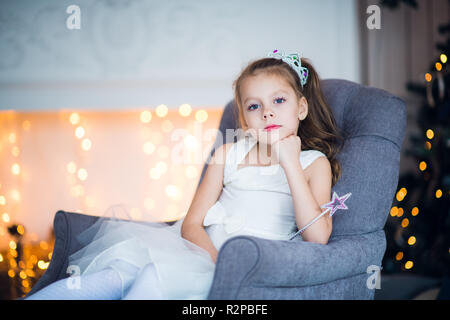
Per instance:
x=137, y=53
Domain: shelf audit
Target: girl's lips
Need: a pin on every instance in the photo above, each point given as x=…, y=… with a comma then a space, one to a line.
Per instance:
x=272, y=128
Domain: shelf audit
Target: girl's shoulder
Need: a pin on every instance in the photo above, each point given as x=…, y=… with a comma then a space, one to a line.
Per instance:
x=307, y=157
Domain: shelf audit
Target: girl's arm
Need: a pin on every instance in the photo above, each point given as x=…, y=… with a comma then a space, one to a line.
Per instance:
x=206, y=196
x=309, y=196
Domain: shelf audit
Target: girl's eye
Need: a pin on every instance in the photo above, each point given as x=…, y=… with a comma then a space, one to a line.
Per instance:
x=277, y=99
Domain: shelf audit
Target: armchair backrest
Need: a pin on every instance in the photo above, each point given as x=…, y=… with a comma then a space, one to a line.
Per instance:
x=372, y=122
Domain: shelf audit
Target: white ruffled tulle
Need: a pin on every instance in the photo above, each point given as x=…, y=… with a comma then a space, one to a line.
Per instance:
x=255, y=201
x=184, y=269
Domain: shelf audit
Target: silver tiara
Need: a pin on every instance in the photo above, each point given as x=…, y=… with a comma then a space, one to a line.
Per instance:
x=294, y=61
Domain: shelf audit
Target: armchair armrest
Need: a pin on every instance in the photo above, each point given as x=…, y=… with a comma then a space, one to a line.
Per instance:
x=258, y=262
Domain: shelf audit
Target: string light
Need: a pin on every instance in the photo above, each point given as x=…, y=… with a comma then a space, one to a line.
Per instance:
x=172, y=192
x=74, y=118
x=42, y=264
x=162, y=167
x=148, y=147
x=26, y=125
x=15, y=194
x=79, y=132
x=394, y=211
x=13, y=245
x=82, y=174
x=15, y=151
x=161, y=111
x=86, y=144
x=401, y=194
x=185, y=110
x=71, y=167
x=443, y=58
x=15, y=169
x=26, y=268
x=411, y=240
x=22, y=264
x=405, y=222
x=146, y=116
x=201, y=115
x=20, y=230
x=12, y=137
x=5, y=217
x=422, y=166
x=43, y=245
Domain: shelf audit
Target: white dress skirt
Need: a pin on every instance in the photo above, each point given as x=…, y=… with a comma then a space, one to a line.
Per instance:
x=254, y=201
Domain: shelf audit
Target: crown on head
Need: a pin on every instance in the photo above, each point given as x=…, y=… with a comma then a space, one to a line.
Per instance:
x=294, y=61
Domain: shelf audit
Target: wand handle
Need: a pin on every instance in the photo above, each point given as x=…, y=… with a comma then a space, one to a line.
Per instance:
x=314, y=220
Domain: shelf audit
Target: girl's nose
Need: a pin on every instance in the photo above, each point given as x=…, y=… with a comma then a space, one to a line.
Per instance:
x=268, y=114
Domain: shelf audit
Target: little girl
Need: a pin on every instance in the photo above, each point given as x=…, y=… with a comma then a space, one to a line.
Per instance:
x=269, y=184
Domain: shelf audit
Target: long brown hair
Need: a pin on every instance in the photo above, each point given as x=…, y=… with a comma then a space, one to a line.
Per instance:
x=318, y=131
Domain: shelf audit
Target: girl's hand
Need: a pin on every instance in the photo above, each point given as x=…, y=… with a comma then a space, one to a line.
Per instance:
x=287, y=150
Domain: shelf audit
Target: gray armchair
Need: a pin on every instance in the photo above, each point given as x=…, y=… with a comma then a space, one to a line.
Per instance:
x=373, y=123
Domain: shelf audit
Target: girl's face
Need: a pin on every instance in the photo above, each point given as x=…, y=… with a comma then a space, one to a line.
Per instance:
x=270, y=100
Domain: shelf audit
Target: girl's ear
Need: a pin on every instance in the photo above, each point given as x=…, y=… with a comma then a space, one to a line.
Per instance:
x=302, y=108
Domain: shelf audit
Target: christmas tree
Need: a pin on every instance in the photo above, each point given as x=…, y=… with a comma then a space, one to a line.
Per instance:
x=418, y=227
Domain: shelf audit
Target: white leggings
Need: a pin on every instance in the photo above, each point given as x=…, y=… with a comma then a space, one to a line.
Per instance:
x=103, y=285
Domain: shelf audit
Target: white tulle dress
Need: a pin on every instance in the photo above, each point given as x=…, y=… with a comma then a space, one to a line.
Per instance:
x=255, y=200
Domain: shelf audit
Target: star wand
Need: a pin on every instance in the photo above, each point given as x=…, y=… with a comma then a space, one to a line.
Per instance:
x=335, y=204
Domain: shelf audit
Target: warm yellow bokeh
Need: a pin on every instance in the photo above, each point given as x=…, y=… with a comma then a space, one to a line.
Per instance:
x=74, y=118
x=405, y=222
x=87, y=161
x=201, y=115
x=146, y=116
x=185, y=110
x=422, y=166
x=161, y=111
x=394, y=211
